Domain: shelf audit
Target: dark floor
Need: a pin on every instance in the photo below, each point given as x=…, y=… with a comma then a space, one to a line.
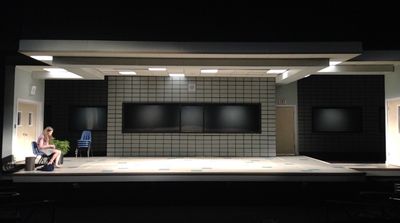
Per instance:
x=263, y=202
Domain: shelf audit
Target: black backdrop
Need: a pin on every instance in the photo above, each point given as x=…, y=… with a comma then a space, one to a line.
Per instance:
x=364, y=91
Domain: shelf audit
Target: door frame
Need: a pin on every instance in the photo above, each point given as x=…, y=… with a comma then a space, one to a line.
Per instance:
x=296, y=142
x=39, y=118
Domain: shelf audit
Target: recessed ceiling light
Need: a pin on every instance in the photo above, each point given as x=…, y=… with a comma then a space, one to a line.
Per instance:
x=43, y=58
x=277, y=71
x=328, y=69
x=285, y=74
x=176, y=75
x=334, y=62
x=55, y=70
x=209, y=71
x=127, y=72
x=157, y=69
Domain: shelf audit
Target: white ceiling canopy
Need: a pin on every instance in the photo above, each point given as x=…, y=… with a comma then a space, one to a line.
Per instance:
x=96, y=59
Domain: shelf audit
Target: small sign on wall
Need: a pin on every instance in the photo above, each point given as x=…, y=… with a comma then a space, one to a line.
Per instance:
x=191, y=87
x=33, y=90
x=281, y=101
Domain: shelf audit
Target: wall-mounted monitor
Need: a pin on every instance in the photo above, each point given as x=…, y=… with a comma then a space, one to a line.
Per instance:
x=88, y=118
x=337, y=119
x=137, y=117
x=232, y=118
x=191, y=118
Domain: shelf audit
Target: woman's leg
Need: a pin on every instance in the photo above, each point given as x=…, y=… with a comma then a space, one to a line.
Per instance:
x=58, y=155
x=54, y=156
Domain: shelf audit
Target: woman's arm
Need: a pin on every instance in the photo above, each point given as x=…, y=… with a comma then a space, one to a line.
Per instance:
x=42, y=145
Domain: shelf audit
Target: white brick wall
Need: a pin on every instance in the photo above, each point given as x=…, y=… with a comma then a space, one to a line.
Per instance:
x=208, y=89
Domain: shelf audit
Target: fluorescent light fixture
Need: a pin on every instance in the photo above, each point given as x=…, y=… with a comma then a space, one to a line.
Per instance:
x=209, y=71
x=176, y=75
x=334, y=62
x=43, y=58
x=127, y=72
x=61, y=73
x=157, y=69
x=276, y=71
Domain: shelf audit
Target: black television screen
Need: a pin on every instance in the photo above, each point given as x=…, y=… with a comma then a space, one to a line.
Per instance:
x=232, y=118
x=192, y=118
x=333, y=119
x=138, y=117
x=88, y=118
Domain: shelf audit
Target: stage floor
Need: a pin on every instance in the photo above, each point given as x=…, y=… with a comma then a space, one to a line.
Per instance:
x=125, y=169
x=373, y=169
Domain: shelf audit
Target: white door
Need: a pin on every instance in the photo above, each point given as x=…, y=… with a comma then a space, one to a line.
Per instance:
x=285, y=130
x=393, y=132
x=26, y=129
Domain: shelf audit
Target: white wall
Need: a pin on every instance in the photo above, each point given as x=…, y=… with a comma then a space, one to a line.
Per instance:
x=23, y=83
x=392, y=90
x=286, y=94
x=392, y=84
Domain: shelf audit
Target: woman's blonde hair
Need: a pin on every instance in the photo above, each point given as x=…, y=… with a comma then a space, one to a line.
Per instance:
x=46, y=135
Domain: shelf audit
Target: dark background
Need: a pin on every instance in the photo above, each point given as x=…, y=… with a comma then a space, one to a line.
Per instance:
x=372, y=24
x=61, y=97
x=364, y=91
x=375, y=25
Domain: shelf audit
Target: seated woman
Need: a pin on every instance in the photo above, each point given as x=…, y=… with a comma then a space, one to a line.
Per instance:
x=45, y=146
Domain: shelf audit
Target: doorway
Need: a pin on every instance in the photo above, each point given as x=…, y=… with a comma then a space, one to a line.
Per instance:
x=26, y=128
x=286, y=139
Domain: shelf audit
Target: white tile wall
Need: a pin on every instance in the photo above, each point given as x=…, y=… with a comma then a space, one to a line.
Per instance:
x=208, y=89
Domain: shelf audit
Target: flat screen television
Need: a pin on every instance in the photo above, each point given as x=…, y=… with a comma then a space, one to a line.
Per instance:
x=88, y=118
x=147, y=118
x=337, y=119
x=232, y=118
x=192, y=118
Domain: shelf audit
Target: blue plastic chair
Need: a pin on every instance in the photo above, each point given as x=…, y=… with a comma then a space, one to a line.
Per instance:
x=84, y=142
x=44, y=159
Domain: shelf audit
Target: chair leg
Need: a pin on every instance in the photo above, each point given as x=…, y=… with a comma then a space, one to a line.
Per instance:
x=41, y=160
x=76, y=153
x=47, y=159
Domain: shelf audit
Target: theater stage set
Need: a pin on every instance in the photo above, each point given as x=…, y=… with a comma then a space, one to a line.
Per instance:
x=218, y=124
x=209, y=173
